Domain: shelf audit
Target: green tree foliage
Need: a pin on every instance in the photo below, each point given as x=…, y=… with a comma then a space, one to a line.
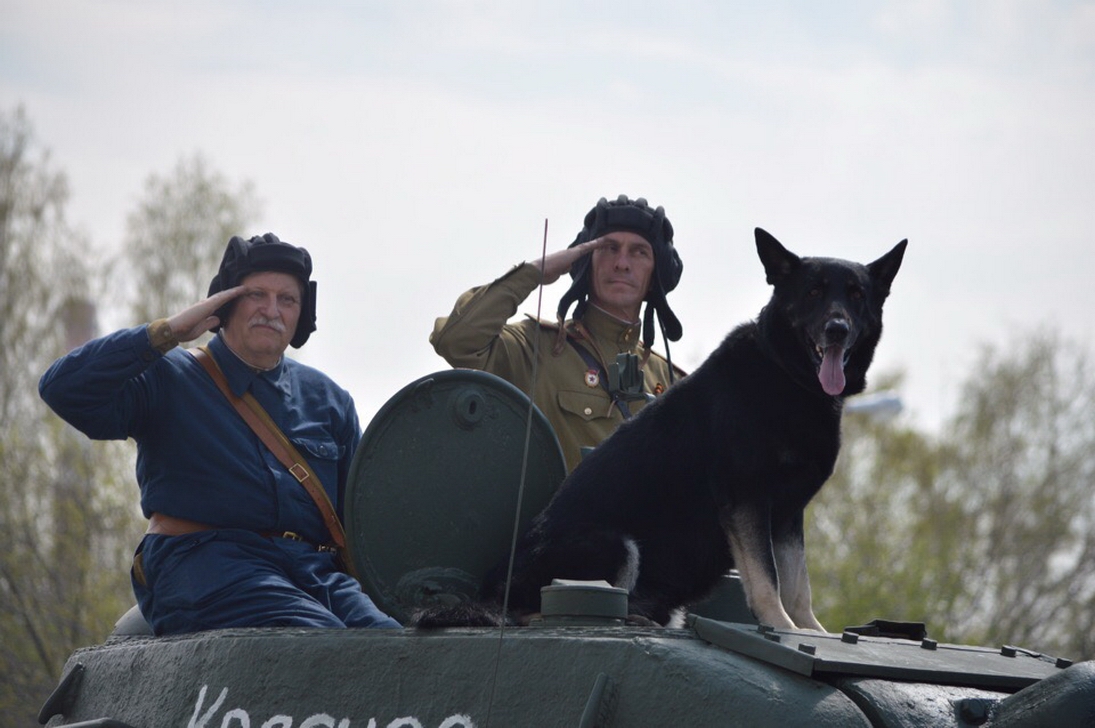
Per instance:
x=68, y=507
x=869, y=556
x=986, y=534
x=176, y=236
x=62, y=517
x=1024, y=441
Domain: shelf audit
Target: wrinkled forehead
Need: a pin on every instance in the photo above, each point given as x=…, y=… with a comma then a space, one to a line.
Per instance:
x=272, y=280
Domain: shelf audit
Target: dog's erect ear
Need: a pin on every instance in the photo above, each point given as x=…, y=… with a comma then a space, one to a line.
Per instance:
x=778, y=260
x=884, y=269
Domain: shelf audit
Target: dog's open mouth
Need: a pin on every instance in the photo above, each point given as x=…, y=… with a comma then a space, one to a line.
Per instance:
x=830, y=371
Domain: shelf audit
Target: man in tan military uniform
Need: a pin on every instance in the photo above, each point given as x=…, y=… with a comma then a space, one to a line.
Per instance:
x=623, y=256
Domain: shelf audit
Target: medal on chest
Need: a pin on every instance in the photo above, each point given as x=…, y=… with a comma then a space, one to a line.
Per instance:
x=593, y=378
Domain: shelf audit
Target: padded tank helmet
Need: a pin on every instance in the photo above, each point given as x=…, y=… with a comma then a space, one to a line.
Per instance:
x=268, y=253
x=636, y=216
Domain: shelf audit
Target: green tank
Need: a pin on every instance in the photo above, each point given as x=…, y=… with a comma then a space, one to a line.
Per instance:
x=445, y=473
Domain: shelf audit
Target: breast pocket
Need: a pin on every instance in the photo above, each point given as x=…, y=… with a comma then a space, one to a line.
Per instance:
x=323, y=454
x=588, y=406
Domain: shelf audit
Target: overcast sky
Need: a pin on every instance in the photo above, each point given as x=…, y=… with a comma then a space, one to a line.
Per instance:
x=416, y=148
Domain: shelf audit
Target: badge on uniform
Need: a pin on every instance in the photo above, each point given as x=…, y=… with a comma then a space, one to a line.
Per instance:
x=593, y=378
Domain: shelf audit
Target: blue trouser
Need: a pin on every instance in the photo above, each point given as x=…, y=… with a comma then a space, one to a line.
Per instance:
x=236, y=578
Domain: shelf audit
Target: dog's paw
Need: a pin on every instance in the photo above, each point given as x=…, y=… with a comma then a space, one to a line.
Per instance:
x=465, y=614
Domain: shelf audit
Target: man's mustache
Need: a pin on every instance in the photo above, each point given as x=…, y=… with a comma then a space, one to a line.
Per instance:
x=260, y=320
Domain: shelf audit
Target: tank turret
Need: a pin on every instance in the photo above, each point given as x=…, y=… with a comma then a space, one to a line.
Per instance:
x=445, y=473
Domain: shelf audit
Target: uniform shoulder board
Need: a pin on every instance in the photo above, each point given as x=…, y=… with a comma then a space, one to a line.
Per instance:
x=677, y=371
x=543, y=323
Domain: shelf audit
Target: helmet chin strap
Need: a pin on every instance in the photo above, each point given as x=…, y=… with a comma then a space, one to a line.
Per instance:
x=668, y=357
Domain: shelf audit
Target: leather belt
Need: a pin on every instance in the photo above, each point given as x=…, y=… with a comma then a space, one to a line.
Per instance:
x=166, y=525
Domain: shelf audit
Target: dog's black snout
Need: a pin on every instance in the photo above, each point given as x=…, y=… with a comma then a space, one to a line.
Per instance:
x=836, y=331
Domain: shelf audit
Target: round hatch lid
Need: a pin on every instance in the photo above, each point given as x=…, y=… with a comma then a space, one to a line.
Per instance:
x=433, y=487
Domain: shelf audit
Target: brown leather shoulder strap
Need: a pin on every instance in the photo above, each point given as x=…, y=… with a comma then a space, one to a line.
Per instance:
x=274, y=439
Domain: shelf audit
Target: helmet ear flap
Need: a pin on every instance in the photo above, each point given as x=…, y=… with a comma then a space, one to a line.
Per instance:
x=306, y=324
x=233, y=261
x=578, y=291
x=579, y=287
x=669, y=266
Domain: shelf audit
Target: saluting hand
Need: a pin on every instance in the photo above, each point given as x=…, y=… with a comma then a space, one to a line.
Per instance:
x=556, y=264
x=194, y=321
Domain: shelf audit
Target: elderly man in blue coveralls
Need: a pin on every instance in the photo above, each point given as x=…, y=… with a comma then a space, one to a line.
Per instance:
x=233, y=540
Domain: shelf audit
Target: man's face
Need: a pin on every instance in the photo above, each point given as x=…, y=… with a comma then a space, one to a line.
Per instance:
x=621, y=271
x=264, y=319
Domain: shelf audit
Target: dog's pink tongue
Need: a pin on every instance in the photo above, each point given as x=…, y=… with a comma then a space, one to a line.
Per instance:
x=831, y=373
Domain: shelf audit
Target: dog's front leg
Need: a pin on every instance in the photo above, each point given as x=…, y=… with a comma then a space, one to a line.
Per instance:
x=795, y=581
x=750, y=537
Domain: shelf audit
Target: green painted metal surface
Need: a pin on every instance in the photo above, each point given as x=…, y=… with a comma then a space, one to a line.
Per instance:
x=622, y=676
x=815, y=654
x=434, y=486
x=532, y=677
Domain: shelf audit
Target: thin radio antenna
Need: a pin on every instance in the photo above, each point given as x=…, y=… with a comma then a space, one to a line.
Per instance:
x=521, y=486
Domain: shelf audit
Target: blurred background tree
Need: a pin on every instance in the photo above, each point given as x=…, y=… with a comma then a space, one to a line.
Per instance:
x=66, y=508
x=69, y=515
x=176, y=237
x=987, y=533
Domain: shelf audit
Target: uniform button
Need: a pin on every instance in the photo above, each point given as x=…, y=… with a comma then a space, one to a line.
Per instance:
x=588, y=411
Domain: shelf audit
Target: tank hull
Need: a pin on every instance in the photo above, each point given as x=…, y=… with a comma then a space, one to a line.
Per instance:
x=709, y=674
x=532, y=677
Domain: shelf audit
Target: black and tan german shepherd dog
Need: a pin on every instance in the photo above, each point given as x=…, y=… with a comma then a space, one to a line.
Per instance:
x=715, y=474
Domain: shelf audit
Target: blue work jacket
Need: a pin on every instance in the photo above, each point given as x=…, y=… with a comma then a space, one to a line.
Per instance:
x=196, y=457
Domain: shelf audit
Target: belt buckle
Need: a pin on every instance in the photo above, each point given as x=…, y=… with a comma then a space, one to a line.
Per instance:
x=321, y=547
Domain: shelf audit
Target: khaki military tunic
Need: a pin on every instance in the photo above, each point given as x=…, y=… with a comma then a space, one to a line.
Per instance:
x=568, y=391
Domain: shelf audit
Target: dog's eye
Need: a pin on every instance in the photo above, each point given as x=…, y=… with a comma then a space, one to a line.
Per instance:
x=814, y=292
x=856, y=293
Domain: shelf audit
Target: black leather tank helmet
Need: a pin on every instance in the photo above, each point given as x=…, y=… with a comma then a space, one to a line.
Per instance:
x=267, y=253
x=636, y=216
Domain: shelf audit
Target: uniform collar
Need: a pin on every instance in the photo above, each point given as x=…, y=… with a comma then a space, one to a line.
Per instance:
x=240, y=376
x=608, y=329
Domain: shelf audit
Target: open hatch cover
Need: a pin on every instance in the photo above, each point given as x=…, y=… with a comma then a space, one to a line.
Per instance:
x=433, y=487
